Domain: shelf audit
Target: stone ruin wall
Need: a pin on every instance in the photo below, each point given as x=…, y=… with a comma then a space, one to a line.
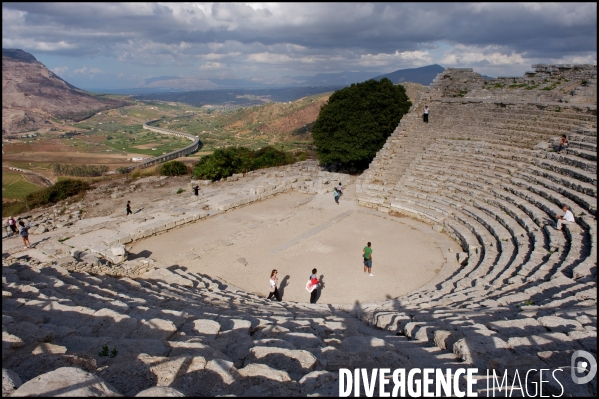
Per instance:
x=547, y=83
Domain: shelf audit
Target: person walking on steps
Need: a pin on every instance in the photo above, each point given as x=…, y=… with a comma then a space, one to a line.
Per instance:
x=12, y=224
x=129, y=208
x=24, y=233
x=336, y=193
x=425, y=115
x=312, y=286
x=368, y=259
x=196, y=190
x=274, y=291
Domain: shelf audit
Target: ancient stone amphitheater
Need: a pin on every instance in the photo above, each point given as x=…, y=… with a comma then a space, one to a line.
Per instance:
x=483, y=170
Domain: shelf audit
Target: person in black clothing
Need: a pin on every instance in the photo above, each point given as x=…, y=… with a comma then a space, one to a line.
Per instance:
x=315, y=283
x=274, y=291
x=425, y=115
x=196, y=190
x=129, y=208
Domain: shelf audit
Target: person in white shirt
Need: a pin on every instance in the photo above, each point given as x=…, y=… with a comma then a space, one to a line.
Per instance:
x=425, y=115
x=568, y=217
x=274, y=291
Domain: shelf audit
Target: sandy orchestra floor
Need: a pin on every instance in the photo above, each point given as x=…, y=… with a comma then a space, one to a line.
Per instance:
x=295, y=233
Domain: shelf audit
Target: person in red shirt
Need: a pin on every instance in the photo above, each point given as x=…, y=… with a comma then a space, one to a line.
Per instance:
x=312, y=286
x=563, y=144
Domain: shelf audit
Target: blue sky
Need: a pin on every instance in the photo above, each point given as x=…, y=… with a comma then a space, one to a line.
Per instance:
x=116, y=45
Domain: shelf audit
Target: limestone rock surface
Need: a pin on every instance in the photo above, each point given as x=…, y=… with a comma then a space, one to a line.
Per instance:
x=66, y=381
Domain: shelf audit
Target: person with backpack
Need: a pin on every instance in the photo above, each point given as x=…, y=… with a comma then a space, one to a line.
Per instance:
x=12, y=224
x=312, y=286
x=24, y=233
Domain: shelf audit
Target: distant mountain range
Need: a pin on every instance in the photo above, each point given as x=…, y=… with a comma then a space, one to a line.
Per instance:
x=238, y=96
x=160, y=84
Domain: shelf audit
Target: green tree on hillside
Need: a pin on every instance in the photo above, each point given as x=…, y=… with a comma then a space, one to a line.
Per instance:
x=225, y=162
x=173, y=168
x=357, y=120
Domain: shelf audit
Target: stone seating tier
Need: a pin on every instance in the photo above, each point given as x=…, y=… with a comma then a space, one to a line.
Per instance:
x=556, y=198
x=473, y=171
x=177, y=329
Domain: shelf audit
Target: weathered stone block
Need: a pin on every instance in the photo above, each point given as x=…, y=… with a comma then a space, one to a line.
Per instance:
x=66, y=261
x=70, y=381
x=559, y=324
x=124, y=239
x=170, y=225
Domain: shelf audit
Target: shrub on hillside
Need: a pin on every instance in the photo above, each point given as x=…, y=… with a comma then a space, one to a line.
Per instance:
x=153, y=171
x=357, y=120
x=13, y=208
x=225, y=162
x=79, y=170
x=57, y=192
x=173, y=168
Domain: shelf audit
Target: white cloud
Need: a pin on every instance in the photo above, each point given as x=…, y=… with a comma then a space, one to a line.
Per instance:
x=215, y=56
x=36, y=45
x=212, y=65
x=60, y=71
x=405, y=59
x=278, y=39
x=88, y=71
x=470, y=55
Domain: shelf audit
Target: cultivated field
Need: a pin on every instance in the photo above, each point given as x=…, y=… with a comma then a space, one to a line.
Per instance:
x=114, y=137
x=16, y=186
x=284, y=125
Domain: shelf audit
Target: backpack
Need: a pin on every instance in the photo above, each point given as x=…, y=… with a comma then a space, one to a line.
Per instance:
x=310, y=287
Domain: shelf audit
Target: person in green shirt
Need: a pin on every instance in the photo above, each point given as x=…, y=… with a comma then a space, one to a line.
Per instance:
x=368, y=259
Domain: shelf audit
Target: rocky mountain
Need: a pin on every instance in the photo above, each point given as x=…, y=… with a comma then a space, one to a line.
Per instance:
x=423, y=75
x=32, y=94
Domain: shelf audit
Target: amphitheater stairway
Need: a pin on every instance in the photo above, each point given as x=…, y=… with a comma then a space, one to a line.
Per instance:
x=202, y=336
x=487, y=175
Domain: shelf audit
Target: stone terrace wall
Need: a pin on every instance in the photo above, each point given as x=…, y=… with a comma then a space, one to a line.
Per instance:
x=547, y=83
